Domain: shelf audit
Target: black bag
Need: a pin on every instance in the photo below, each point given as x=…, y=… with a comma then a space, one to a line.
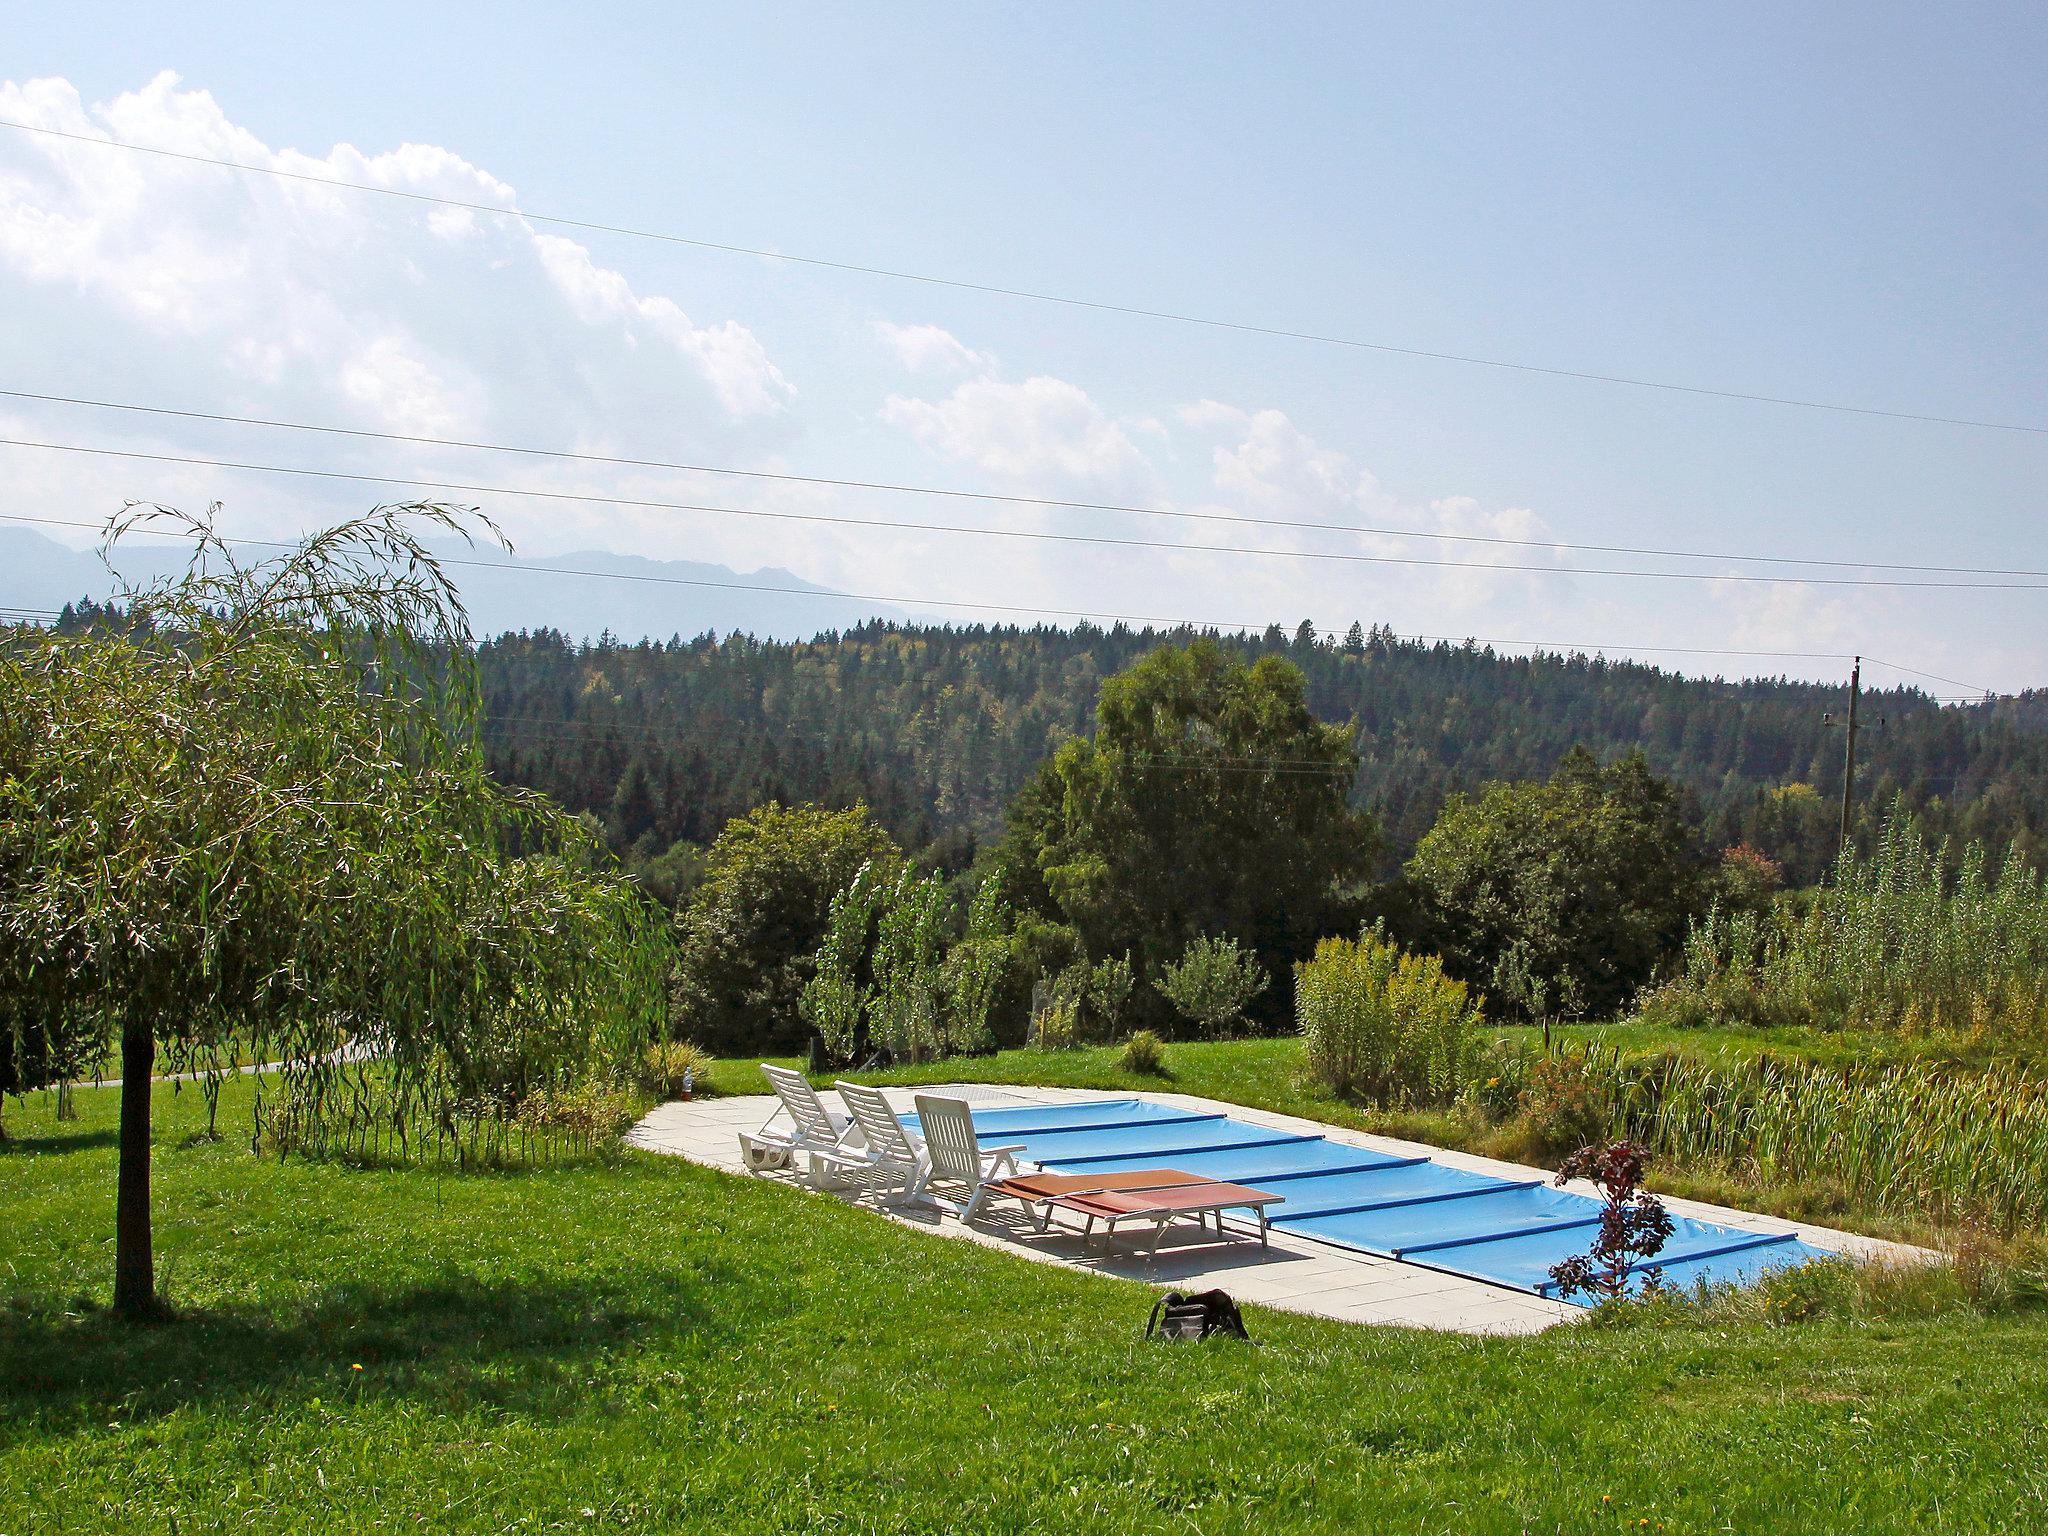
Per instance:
x=1175, y=1316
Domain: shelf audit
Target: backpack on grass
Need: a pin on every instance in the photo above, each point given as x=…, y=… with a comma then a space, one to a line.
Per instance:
x=1175, y=1316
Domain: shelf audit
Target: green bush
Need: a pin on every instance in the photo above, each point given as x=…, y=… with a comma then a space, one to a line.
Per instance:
x=1806, y=1291
x=1110, y=985
x=1496, y=1078
x=1145, y=1054
x=669, y=1067
x=1569, y=1102
x=1212, y=984
x=587, y=1114
x=1564, y=897
x=1383, y=1025
x=747, y=941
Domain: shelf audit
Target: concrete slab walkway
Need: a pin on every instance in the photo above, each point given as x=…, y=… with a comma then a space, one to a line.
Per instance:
x=1295, y=1273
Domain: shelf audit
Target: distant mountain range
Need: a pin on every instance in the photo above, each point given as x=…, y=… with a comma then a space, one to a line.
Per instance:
x=625, y=595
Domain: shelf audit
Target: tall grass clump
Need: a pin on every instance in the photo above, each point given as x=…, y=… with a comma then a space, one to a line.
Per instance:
x=1384, y=1025
x=1892, y=941
x=1918, y=1141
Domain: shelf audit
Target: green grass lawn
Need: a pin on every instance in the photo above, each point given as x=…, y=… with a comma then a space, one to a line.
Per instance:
x=632, y=1343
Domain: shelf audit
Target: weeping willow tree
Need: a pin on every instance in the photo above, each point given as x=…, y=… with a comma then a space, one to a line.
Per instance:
x=256, y=819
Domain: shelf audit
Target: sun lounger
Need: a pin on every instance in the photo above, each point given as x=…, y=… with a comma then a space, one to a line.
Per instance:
x=813, y=1127
x=1036, y=1192
x=953, y=1154
x=887, y=1157
x=1162, y=1207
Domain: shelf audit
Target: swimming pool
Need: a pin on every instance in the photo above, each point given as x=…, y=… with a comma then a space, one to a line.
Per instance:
x=1502, y=1230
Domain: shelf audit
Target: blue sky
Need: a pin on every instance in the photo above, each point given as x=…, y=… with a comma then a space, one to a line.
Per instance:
x=1830, y=202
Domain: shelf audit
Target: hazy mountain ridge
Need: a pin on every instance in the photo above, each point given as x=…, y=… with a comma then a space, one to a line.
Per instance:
x=506, y=592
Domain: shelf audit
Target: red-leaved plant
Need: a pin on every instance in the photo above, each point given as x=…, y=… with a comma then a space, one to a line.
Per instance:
x=1633, y=1224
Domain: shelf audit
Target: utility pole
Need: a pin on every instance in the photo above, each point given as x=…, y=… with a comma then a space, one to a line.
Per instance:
x=1849, y=748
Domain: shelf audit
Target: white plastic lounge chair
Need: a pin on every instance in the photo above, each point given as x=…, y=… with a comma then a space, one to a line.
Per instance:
x=813, y=1127
x=889, y=1156
x=954, y=1155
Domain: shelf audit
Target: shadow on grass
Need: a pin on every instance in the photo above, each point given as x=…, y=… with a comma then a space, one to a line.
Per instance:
x=15, y=1145
x=457, y=1343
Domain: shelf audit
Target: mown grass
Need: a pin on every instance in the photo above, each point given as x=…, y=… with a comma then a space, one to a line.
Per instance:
x=627, y=1342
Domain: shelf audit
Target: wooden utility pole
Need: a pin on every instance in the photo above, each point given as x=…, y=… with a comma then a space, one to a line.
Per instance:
x=1849, y=748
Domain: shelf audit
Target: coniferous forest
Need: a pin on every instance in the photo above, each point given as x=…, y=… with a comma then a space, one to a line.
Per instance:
x=935, y=728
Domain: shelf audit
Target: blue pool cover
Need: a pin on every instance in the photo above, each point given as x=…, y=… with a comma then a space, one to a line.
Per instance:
x=1507, y=1231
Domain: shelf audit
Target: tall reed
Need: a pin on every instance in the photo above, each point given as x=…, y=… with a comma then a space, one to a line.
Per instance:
x=1908, y=1141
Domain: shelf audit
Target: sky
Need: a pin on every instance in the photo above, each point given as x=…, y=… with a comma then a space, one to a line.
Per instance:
x=1833, y=203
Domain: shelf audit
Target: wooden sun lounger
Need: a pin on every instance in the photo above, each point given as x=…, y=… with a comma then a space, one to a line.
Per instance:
x=1162, y=1207
x=1042, y=1190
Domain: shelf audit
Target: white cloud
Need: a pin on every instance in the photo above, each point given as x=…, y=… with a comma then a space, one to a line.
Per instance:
x=1792, y=615
x=1275, y=464
x=1265, y=466
x=1039, y=426
x=416, y=319
x=932, y=349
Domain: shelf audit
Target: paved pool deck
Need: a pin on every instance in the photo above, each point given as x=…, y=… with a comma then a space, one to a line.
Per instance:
x=1294, y=1273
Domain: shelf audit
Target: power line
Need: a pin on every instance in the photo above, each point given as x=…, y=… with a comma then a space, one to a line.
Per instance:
x=1011, y=499
x=1931, y=676
x=1550, y=647
x=997, y=290
x=1343, y=557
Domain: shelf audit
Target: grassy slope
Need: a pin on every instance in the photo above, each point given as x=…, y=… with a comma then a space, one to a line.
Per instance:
x=638, y=1344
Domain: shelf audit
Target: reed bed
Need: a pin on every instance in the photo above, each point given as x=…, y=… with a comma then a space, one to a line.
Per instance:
x=1908, y=1141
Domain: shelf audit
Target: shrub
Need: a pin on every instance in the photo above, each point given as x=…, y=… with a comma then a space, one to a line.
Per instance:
x=1806, y=1291
x=586, y=1115
x=1212, y=984
x=1057, y=1026
x=1567, y=1103
x=974, y=970
x=671, y=1068
x=747, y=940
x=1381, y=1024
x=1633, y=1224
x=1110, y=984
x=1145, y=1053
x=1587, y=880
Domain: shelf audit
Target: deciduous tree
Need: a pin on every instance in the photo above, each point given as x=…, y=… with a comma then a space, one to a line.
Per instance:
x=1209, y=802
x=749, y=937
x=1571, y=891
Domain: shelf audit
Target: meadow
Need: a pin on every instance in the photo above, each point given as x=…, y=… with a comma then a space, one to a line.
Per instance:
x=626, y=1342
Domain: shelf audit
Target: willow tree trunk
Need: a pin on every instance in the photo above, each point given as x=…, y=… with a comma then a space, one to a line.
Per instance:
x=134, y=1259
